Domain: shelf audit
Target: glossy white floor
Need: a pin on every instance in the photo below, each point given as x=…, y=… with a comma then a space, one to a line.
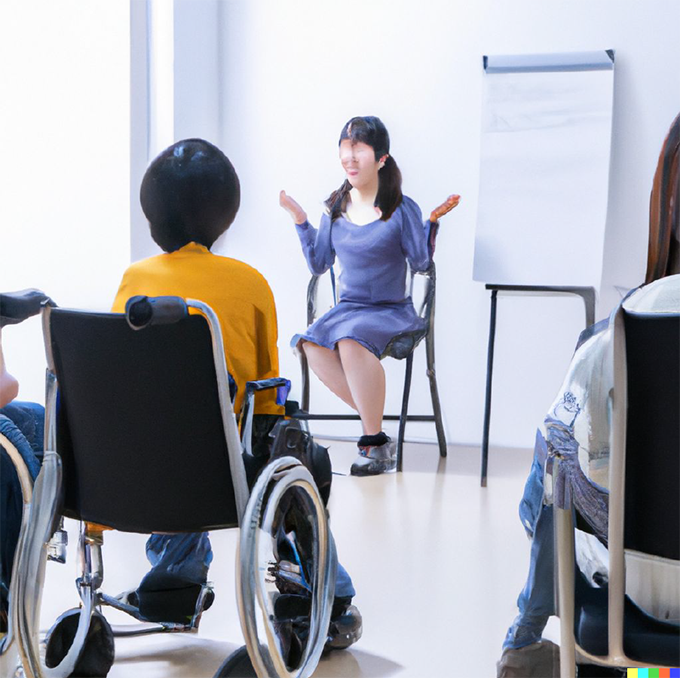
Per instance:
x=437, y=562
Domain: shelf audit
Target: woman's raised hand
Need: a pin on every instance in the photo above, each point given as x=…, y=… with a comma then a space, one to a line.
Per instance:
x=295, y=211
x=438, y=212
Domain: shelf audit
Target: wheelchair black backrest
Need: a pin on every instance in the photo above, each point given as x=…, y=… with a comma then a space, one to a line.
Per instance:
x=139, y=426
x=652, y=507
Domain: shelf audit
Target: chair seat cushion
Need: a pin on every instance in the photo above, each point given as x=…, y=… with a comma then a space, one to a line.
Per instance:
x=646, y=639
x=402, y=345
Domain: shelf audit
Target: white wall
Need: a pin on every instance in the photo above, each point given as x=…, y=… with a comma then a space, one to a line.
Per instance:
x=294, y=72
x=273, y=83
x=175, y=86
x=64, y=115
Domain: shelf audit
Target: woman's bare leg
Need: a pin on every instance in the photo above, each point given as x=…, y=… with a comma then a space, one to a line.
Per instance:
x=365, y=377
x=326, y=364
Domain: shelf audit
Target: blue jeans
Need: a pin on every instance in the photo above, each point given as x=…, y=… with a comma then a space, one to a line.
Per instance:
x=29, y=420
x=187, y=557
x=23, y=425
x=536, y=602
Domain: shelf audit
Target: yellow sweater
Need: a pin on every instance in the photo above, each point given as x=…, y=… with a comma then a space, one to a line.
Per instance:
x=239, y=295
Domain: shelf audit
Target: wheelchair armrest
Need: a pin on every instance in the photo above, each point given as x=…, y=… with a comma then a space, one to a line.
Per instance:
x=142, y=311
x=264, y=384
x=247, y=408
x=15, y=307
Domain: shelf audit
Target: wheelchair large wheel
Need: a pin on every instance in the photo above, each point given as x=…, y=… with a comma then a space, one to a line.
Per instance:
x=286, y=572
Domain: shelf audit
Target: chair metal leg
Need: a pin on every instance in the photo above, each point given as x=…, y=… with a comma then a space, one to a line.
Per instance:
x=404, y=411
x=564, y=535
x=304, y=367
x=434, y=393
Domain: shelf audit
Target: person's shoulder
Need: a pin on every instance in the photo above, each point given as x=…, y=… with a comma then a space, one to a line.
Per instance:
x=144, y=265
x=257, y=286
x=236, y=264
x=244, y=271
x=408, y=203
x=410, y=208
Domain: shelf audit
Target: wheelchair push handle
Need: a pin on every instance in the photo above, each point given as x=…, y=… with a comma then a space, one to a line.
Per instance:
x=142, y=311
x=15, y=307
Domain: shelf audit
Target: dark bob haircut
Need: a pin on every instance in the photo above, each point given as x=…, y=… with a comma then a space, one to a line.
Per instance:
x=371, y=131
x=190, y=193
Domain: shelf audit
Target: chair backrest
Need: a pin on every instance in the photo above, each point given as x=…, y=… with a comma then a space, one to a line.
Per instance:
x=139, y=426
x=652, y=504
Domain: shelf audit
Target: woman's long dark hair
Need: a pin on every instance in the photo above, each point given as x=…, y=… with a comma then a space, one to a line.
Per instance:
x=371, y=131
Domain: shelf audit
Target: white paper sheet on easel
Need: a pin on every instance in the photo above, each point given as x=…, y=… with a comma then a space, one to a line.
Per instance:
x=544, y=174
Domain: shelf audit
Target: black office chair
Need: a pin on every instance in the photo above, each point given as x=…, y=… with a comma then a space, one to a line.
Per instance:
x=400, y=347
x=604, y=624
x=141, y=436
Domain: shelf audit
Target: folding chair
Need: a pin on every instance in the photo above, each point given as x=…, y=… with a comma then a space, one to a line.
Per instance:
x=141, y=436
x=604, y=624
x=401, y=346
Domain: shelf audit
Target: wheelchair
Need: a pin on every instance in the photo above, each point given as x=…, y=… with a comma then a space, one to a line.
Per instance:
x=137, y=446
x=21, y=466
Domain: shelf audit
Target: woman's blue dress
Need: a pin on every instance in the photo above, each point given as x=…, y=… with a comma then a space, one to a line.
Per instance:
x=374, y=305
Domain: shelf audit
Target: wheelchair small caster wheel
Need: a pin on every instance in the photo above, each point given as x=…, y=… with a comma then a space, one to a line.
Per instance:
x=96, y=657
x=237, y=665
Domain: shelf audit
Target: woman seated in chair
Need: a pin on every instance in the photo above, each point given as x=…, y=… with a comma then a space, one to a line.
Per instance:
x=374, y=230
x=190, y=194
x=578, y=427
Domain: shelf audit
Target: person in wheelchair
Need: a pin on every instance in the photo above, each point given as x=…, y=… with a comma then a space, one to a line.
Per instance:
x=190, y=195
x=21, y=425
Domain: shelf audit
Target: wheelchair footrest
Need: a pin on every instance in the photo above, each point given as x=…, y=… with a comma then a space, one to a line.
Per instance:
x=147, y=626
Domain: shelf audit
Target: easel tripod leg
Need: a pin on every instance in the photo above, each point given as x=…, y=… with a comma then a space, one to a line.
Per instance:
x=489, y=375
